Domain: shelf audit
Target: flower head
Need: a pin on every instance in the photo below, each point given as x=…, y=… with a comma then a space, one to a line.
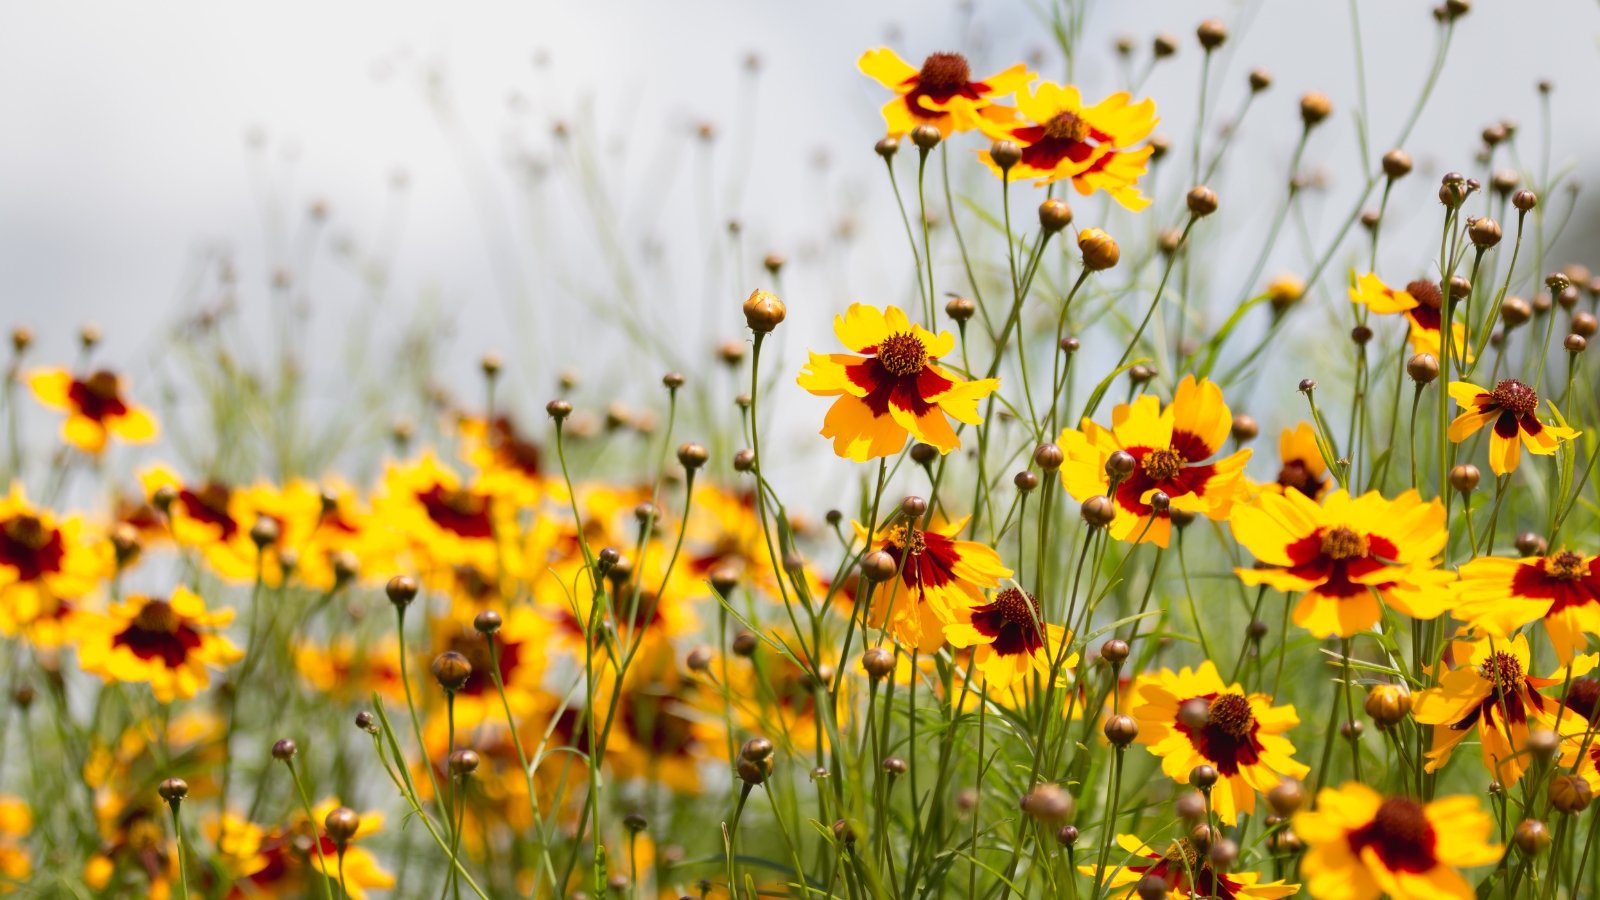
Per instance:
x=1301, y=467
x=1187, y=871
x=942, y=93
x=896, y=389
x=168, y=643
x=1497, y=596
x=1011, y=636
x=95, y=407
x=1361, y=845
x=1172, y=446
x=1494, y=694
x=1093, y=146
x=360, y=868
x=1346, y=554
x=1512, y=407
x=937, y=576
x=1420, y=302
x=45, y=564
x=1241, y=736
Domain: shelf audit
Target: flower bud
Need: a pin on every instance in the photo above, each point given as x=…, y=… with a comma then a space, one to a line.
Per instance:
x=284, y=750
x=692, y=456
x=926, y=137
x=1211, y=34
x=1202, y=201
x=1047, y=803
x=763, y=312
x=878, y=663
x=1260, y=80
x=1584, y=324
x=1531, y=544
x=1423, y=368
x=1048, y=457
x=1203, y=777
x=745, y=644
x=487, y=622
x=1515, y=311
x=1286, y=797
x=451, y=670
x=960, y=309
x=744, y=460
x=1464, y=478
x=1245, y=428
x=1575, y=343
x=1005, y=154
x=1532, y=837
x=1054, y=215
x=878, y=566
x=342, y=825
x=887, y=147
x=463, y=762
x=1120, y=464
x=1314, y=107
x=402, y=589
x=1121, y=729
x=1164, y=45
x=1396, y=164
x=558, y=409
x=1100, y=250
x=1098, y=511
x=1115, y=651
x=1570, y=793
x=894, y=765
x=173, y=790
x=1485, y=232
x=1025, y=481
x=1387, y=705
x=1524, y=200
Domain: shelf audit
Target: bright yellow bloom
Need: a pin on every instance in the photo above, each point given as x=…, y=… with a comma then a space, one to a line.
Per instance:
x=45, y=564
x=166, y=643
x=1187, y=872
x=361, y=869
x=895, y=390
x=445, y=521
x=1061, y=139
x=1242, y=736
x=1301, y=465
x=95, y=407
x=1493, y=694
x=942, y=93
x=1513, y=409
x=1171, y=447
x=1011, y=637
x=136, y=857
x=938, y=576
x=519, y=648
x=16, y=822
x=1420, y=303
x=350, y=671
x=1344, y=555
x=1497, y=596
x=1361, y=845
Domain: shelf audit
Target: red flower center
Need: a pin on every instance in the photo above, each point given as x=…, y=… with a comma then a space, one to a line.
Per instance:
x=1342, y=543
x=1067, y=126
x=1582, y=696
x=1012, y=620
x=1162, y=464
x=1017, y=607
x=1564, y=566
x=1400, y=835
x=1231, y=715
x=1515, y=397
x=27, y=546
x=902, y=354
x=1505, y=671
x=944, y=73
x=1425, y=292
x=461, y=511
x=1296, y=476
x=158, y=632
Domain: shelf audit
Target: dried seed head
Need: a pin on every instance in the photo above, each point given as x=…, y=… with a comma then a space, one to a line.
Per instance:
x=1005, y=154
x=451, y=670
x=1314, y=107
x=1054, y=215
x=763, y=311
x=1100, y=250
x=342, y=825
x=1202, y=201
x=1423, y=368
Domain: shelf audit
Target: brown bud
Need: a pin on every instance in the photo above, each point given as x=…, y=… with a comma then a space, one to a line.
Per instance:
x=451, y=670
x=264, y=533
x=1025, y=481
x=1396, y=164
x=1504, y=181
x=1100, y=250
x=1121, y=730
x=1152, y=887
x=1098, y=511
x=1211, y=34
x=402, y=589
x=1260, y=80
x=284, y=750
x=1286, y=797
x=1514, y=311
x=21, y=339
x=887, y=147
x=1202, y=201
x=1532, y=837
x=1054, y=215
x=1245, y=429
x=878, y=663
x=763, y=311
x=1584, y=324
x=1485, y=232
x=1005, y=154
x=1575, y=343
x=463, y=762
x=1203, y=777
x=1530, y=544
x=173, y=790
x=744, y=460
x=1165, y=45
x=1115, y=651
x=487, y=622
x=1524, y=200
x=745, y=644
x=1387, y=704
x=1570, y=793
x=1119, y=464
x=1194, y=713
x=1314, y=107
x=342, y=825
x=692, y=456
x=1047, y=803
x=1067, y=835
x=960, y=308
x=1048, y=457
x=1423, y=368
x=878, y=566
x=1464, y=478
x=894, y=765
x=1190, y=806
x=926, y=137
x=558, y=409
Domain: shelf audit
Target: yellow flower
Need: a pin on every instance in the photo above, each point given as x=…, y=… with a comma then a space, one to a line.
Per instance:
x=1171, y=447
x=1361, y=845
x=45, y=564
x=135, y=849
x=1187, y=872
x=348, y=670
x=938, y=576
x=1061, y=139
x=519, y=647
x=166, y=643
x=446, y=522
x=1497, y=596
x=1344, y=555
x=942, y=93
x=1494, y=694
x=95, y=407
x=1011, y=637
x=16, y=821
x=895, y=390
x=1420, y=303
x=1512, y=407
x=1301, y=465
x=1242, y=736
x=361, y=869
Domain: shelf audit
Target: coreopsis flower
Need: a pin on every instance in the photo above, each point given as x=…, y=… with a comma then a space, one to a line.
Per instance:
x=1346, y=554
x=1301, y=465
x=444, y=520
x=168, y=643
x=136, y=857
x=45, y=564
x=361, y=869
x=1497, y=596
x=349, y=671
x=1172, y=447
x=726, y=534
x=895, y=390
x=203, y=514
x=1187, y=871
x=1010, y=638
x=942, y=93
x=1093, y=146
x=240, y=843
x=1512, y=411
x=519, y=649
x=1420, y=302
x=96, y=407
x=1494, y=694
x=16, y=823
x=507, y=462
x=938, y=575
x=661, y=735
x=1361, y=845
x=1241, y=735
